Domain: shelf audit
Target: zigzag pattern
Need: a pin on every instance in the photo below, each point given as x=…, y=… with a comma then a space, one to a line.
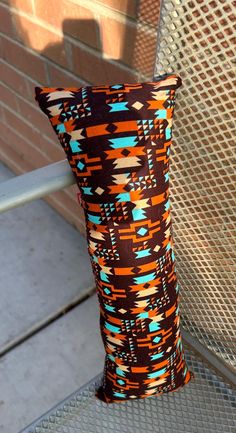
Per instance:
x=117, y=141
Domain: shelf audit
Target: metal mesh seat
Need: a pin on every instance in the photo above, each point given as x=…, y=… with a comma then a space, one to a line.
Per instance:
x=194, y=40
x=206, y=405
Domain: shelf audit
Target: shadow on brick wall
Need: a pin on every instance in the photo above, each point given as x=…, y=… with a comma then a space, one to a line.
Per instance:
x=105, y=50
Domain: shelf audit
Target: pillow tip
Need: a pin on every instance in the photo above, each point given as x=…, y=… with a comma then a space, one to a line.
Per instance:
x=37, y=91
x=168, y=76
x=179, y=81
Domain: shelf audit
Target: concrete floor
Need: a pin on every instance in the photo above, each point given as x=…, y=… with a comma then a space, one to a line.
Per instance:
x=44, y=268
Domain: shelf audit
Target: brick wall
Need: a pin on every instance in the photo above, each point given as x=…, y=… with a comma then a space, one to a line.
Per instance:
x=65, y=43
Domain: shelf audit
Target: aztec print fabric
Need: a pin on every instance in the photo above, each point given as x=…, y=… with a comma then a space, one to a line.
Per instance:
x=117, y=140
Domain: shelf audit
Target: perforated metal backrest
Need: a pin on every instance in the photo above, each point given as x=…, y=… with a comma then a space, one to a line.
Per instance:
x=195, y=40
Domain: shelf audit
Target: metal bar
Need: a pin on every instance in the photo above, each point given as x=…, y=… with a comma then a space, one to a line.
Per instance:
x=35, y=184
x=210, y=357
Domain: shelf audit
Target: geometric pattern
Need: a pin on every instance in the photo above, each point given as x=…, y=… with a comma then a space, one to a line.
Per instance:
x=117, y=140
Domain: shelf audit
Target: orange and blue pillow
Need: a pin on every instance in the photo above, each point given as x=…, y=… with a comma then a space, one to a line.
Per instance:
x=117, y=139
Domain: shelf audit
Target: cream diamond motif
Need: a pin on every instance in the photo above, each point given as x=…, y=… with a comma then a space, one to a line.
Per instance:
x=99, y=190
x=122, y=311
x=138, y=105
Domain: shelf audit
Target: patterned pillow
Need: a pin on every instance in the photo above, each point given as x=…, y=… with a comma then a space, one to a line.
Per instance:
x=117, y=140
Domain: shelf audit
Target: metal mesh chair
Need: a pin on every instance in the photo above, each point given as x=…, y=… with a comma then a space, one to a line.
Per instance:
x=195, y=39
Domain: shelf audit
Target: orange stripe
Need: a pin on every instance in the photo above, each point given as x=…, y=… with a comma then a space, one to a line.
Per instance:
x=93, y=131
x=139, y=287
x=69, y=125
x=160, y=364
x=55, y=120
x=117, y=153
x=116, y=189
x=136, y=195
x=129, y=125
x=128, y=271
x=170, y=311
x=156, y=199
x=94, y=207
x=55, y=89
x=139, y=369
x=155, y=104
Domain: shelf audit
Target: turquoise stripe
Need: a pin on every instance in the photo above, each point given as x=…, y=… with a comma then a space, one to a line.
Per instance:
x=167, y=205
x=117, y=86
x=61, y=128
x=118, y=106
x=112, y=328
x=166, y=177
x=75, y=146
x=120, y=372
x=118, y=394
x=107, y=291
x=168, y=133
x=94, y=219
x=87, y=190
x=109, y=308
x=145, y=278
x=111, y=357
x=124, y=196
x=157, y=356
x=104, y=277
x=153, y=326
x=157, y=373
x=123, y=142
x=161, y=114
x=138, y=214
x=168, y=246
x=143, y=253
x=143, y=315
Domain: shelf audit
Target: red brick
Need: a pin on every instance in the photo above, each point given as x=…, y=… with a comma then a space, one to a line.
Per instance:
x=61, y=78
x=127, y=7
x=97, y=70
x=23, y=5
x=72, y=191
x=24, y=60
x=69, y=203
x=12, y=160
x=74, y=20
x=23, y=148
x=6, y=22
x=35, y=117
x=53, y=149
x=8, y=97
x=72, y=217
x=41, y=40
x=14, y=79
x=124, y=35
